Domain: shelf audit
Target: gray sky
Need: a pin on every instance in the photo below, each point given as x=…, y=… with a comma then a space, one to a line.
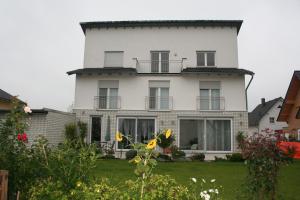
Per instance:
x=41, y=40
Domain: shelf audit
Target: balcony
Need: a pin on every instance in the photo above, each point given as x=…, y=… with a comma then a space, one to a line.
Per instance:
x=159, y=66
x=159, y=103
x=107, y=102
x=210, y=103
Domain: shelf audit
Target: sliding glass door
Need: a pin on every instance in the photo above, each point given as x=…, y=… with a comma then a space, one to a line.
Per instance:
x=205, y=134
x=137, y=129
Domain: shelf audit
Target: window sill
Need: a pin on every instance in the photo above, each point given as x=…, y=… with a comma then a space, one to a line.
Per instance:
x=108, y=109
x=159, y=110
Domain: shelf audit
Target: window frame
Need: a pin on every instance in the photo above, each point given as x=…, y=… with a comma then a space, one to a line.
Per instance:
x=205, y=134
x=205, y=58
x=158, y=99
x=272, y=120
x=210, y=99
x=108, y=95
x=136, y=118
x=160, y=60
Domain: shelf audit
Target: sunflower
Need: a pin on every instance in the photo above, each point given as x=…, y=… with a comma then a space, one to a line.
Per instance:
x=119, y=136
x=151, y=144
x=168, y=133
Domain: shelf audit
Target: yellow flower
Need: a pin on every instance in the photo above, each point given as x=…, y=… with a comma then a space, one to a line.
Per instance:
x=168, y=133
x=78, y=184
x=119, y=136
x=151, y=144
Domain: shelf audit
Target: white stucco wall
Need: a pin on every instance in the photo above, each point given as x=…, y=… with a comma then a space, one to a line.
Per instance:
x=181, y=42
x=183, y=89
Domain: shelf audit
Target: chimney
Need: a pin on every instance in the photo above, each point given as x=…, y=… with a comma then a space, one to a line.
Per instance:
x=263, y=101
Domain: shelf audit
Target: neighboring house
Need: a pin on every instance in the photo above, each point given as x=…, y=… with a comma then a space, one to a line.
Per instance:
x=265, y=116
x=290, y=110
x=6, y=100
x=140, y=77
x=47, y=122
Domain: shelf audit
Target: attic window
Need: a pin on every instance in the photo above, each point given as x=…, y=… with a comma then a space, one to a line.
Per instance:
x=298, y=114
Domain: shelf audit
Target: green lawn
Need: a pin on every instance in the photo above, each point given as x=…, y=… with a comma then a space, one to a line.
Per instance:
x=229, y=175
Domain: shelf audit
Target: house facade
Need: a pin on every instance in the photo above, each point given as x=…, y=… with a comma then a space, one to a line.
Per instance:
x=264, y=116
x=290, y=110
x=140, y=77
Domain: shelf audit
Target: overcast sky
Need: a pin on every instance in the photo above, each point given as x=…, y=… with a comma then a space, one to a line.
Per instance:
x=41, y=40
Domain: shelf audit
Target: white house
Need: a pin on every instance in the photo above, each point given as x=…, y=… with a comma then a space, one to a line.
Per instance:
x=140, y=77
x=265, y=116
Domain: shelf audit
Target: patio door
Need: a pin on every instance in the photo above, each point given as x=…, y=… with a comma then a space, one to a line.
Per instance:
x=96, y=130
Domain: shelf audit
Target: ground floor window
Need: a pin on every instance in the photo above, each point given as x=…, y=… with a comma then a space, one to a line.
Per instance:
x=205, y=134
x=137, y=129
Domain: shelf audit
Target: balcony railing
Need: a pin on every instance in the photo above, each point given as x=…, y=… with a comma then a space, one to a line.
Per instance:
x=159, y=66
x=107, y=102
x=210, y=103
x=159, y=103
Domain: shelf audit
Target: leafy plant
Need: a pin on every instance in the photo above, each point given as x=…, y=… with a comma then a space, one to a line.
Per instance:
x=70, y=131
x=82, y=126
x=164, y=142
x=176, y=153
x=198, y=156
x=263, y=161
x=130, y=154
x=235, y=157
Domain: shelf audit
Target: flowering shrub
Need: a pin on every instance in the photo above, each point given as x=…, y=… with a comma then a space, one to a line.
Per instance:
x=263, y=160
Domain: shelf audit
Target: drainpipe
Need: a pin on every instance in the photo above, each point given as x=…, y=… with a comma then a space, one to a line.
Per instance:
x=246, y=90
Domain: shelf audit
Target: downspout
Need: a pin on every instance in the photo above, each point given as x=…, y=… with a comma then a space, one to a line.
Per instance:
x=246, y=90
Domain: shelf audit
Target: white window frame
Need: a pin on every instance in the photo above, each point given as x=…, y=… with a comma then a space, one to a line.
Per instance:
x=159, y=60
x=205, y=133
x=205, y=58
x=157, y=101
x=108, y=98
x=136, y=118
x=209, y=99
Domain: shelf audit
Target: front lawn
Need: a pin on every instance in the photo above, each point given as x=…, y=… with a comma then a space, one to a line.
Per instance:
x=228, y=174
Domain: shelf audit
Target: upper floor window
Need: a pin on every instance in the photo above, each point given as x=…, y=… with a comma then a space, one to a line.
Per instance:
x=113, y=58
x=159, y=98
x=210, y=95
x=159, y=61
x=206, y=58
x=108, y=95
x=272, y=120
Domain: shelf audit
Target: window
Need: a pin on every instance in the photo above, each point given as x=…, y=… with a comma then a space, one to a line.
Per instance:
x=113, y=58
x=205, y=58
x=108, y=95
x=272, y=120
x=138, y=129
x=159, y=98
x=159, y=61
x=210, y=95
x=205, y=134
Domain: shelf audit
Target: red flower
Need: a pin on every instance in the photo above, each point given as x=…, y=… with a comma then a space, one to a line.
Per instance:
x=19, y=137
x=24, y=137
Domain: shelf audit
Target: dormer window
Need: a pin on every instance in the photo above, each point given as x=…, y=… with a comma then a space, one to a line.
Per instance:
x=113, y=58
x=206, y=58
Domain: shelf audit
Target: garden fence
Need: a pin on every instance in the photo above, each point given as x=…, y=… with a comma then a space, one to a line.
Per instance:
x=3, y=184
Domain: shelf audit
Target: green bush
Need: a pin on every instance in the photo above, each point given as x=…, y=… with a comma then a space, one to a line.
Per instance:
x=176, y=153
x=130, y=154
x=163, y=157
x=198, y=156
x=82, y=126
x=70, y=131
x=235, y=157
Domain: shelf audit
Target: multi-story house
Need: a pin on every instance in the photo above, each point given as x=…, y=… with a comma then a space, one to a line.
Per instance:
x=140, y=77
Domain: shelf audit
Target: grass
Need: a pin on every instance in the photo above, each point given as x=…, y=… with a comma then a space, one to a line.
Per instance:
x=228, y=174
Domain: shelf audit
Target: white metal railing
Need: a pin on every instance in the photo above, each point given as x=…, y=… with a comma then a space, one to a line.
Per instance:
x=159, y=103
x=107, y=102
x=159, y=66
x=210, y=103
